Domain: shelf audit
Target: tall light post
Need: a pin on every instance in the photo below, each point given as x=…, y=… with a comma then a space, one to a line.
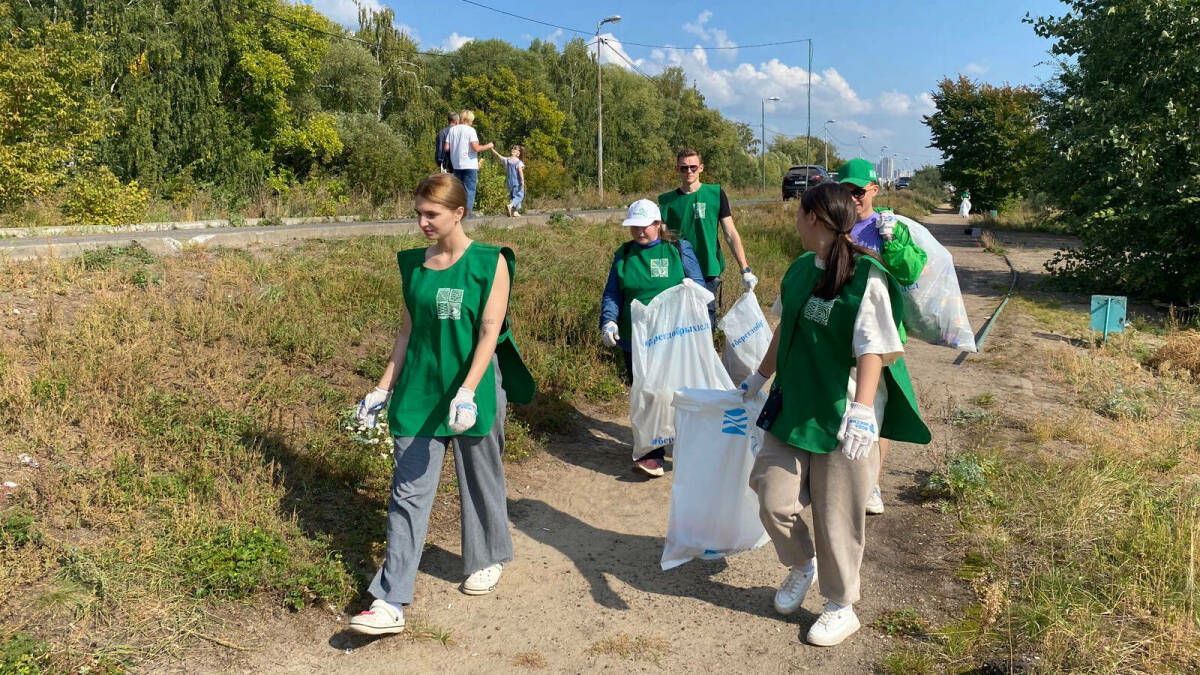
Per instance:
x=827, y=123
x=600, y=106
x=808, y=132
x=861, y=138
x=762, y=149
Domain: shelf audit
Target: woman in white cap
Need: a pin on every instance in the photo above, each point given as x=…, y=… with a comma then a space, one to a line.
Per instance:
x=650, y=263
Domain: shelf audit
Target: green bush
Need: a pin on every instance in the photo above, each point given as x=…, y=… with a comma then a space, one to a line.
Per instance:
x=97, y=197
x=374, y=157
x=491, y=194
x=545, y=179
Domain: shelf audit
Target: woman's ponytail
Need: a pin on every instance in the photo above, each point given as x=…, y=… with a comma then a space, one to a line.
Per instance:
x=834, y=208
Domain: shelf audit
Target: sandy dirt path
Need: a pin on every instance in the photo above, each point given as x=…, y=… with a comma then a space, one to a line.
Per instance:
x=588, y=538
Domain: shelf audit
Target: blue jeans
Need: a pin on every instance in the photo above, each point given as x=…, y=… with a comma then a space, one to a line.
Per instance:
x=469, y=178
x=516, y=195
x=713, y=284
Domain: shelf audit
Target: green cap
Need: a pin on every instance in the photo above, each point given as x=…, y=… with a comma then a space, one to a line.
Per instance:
x=857, y=171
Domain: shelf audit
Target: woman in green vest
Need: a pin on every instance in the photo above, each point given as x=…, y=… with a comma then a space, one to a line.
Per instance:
x=449, y=361
x=650, y=263
x=840, y=384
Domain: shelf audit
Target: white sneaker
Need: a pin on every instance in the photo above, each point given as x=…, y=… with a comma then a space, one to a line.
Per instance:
x=381, y=619
x=834, y=625
x=482, y=582
x=875, y=502
x=793, y=589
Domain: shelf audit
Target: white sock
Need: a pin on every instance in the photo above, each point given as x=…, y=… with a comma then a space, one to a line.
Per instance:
x=831, y=606
x=396, y=606
x=808, y=567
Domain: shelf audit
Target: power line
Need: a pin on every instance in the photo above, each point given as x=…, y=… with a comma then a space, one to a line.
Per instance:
x=623, y=58
x=637, y=44
x=526, y=18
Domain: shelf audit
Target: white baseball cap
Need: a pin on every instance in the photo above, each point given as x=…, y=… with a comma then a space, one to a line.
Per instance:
x=641, y=213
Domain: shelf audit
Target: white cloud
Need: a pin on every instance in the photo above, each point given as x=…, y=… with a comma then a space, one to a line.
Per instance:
x=718, y=36
x=925, y=104
x=895, y=103
x=455, y=41
x=973, y=68
x=613, y=51
x=344, y=12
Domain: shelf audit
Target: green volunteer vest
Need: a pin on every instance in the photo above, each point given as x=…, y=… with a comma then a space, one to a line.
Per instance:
x=695, y=217
x=815, y=358
x=643, y=273
x=445, y=308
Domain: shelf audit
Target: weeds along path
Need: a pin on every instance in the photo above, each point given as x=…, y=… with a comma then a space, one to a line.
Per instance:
x=208, y=483
x=585, y=591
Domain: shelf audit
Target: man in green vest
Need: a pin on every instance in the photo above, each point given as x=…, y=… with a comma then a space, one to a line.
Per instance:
x=695, y=210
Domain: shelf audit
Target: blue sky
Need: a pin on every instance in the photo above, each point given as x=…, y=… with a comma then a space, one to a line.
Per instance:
x=872, y=69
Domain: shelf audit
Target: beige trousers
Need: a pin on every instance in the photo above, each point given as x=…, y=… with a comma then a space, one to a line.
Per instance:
x=787, y=479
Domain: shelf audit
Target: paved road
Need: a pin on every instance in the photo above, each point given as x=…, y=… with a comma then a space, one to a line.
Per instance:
x=173, y=240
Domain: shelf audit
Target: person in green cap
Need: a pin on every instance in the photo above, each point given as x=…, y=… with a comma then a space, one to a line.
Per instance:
x=877, y=230
x=648, y=264
x=453, y=367
x=695, y=210
x=840, y=384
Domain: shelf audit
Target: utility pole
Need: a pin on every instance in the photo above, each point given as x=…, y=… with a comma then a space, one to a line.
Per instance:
x=600, y=107
x=762, y=147
x=808, y=133
x=827, y=123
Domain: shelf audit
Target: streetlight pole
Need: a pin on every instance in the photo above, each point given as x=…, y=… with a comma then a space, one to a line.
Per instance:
x=600, y=107
x=808, y=133
x=861, y=138
x=762, y=142
x=827, y=123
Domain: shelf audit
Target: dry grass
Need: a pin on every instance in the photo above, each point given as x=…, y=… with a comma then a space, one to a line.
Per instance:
x=1181, y=351
x=1081, y=517
x=185, y=415
x=632, y=648
x=529, y=660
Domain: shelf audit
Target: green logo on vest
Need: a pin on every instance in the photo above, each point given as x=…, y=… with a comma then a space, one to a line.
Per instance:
x=659, y=267
x=449, y=303
x=817, y=310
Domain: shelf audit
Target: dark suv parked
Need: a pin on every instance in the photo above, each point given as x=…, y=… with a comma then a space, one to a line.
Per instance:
x=800, y=178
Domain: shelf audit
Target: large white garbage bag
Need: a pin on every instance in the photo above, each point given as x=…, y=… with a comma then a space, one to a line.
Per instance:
x=933, y=306
x=747, y=337
x=964, y=208
x=714, y=513
x=672, y=348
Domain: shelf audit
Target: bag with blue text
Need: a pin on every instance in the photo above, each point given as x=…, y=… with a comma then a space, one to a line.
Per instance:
x=714, y=513
x=672, y=349
x=933, y=306
x=747, y=337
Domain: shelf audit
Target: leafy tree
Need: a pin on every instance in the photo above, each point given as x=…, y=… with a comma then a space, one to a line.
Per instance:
x=990, y=138
x=1122, y=118
x=928, y=179
x=806, y=150
x=374, y=159
x=49, y=115
x=508, y=114
x=349, y=80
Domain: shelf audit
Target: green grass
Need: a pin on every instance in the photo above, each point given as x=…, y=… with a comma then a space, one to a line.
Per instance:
x=1084, y=559
x=188, y=414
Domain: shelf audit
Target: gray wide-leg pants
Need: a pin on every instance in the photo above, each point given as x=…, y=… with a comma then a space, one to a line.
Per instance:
x=484, y=510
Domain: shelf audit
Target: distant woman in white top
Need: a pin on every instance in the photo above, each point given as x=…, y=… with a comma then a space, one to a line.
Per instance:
x=462, y=143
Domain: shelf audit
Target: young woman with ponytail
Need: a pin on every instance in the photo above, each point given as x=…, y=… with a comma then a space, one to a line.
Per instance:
x=841, y=384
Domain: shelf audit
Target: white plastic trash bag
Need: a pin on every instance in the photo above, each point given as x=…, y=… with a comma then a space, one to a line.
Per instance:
x=964, y=208
x=714, y=513
x=933, y=306
x=747, y=337
x=672, y=348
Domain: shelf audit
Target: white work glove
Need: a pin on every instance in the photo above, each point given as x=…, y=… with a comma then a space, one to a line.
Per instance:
x=887, y=225
x=859, y=431
x=463, y=411
x=608, y=334
x=371, y=405
x=749, y=280
x=752, y=385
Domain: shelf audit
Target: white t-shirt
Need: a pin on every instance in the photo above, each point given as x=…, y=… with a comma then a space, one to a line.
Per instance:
x=874, y=333
x=461, y=154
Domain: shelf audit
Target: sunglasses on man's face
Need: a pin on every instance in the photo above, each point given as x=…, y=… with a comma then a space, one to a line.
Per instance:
x=858, y=193
x=687, y=168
